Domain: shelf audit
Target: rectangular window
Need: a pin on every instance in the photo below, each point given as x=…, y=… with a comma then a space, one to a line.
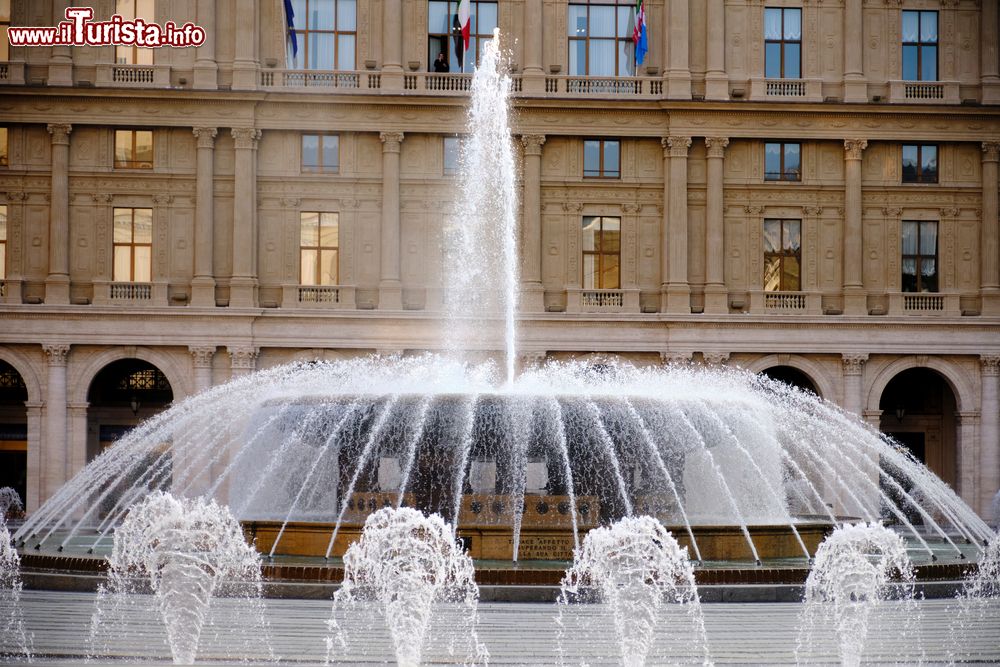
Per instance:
x=4, y=24
x=321, y=153
x=3, y=242
x=319, y=248
x=133, y=245
x=782, y=43
x=601, y=252
x=130, y=10
x=452, y=145
x=920, y=163
x=133, y=149
x=782, y=161
x=3, y=147
x=602, y=158
x=444, y=34
x=326, y=33
x=919, y=255
x=782, y=255
x=600, y=39
x=920, y=46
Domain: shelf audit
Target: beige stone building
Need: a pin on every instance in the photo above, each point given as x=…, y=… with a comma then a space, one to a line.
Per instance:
x=806, y=188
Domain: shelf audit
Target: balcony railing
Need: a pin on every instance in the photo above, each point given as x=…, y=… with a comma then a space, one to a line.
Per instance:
x=11, y=73
x=133, y=76
x=318, y=296
x=3, y=289
x=602, y=300
x=924, y=92
x=787, y=301
x=600, y=86
x=608, y=298
x=798, y=90
x=321, y=80
x=924, y=303
x=130, y=291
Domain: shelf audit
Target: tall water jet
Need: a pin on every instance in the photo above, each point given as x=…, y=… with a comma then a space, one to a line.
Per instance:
x=481, y=274
x=13, y=638
x=638, y=571
x=858, y=569
x=405, y=567
x=184, y=551
x=976, y=602
x=10, y=503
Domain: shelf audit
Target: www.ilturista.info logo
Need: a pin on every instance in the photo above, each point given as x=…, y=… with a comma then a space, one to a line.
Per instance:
x=79, y=30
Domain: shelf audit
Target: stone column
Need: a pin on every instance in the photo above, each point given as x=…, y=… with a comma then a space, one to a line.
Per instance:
x=716, y=79
x=76, y=428
x=677, y=292
x=34, y=490
x=61, y=60
x=205, y=68
x=245, y=63
x=390, y=293
x=679, y=72
x=392, y=45
x=855, y=300
x=967, y=454
x=855, y=87
x=715, y=358
x=54, y=449
x=533, y=294
x=57, y=282
x=989, y=432
x=989, y=232
x=201, y=361
x=854, y=366
x=989, y=66
x=243, y=284
x=533, y=78
x=716, y=296
x=242, y=360
x=203, y=283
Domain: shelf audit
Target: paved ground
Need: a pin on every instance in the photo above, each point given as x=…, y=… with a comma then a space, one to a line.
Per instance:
x=514, y=633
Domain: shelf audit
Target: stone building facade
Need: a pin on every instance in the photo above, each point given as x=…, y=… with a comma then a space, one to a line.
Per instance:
x=101, y=329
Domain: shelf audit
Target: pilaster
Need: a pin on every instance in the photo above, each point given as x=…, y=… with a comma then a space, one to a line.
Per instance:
x=989, y=245
x=989, y=438
x=677, y=291
x=390, y=289
x=206, y=70
x=855, y=298
x=716, y=295
x=853, y=365
x=533, y=294
x=243, y=284
x=57, y=282
x=202, y=358
x=54, y=446
x=203, y=283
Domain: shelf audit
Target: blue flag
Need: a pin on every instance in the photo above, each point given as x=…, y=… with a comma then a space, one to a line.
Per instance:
x=290, y=20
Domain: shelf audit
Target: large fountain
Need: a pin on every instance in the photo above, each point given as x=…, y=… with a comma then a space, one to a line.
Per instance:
x=738, y=467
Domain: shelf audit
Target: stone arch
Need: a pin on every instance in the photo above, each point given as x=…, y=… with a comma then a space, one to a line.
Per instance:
x=177, y=376
x=964, y=392
x=814, y=371
x=23, y=365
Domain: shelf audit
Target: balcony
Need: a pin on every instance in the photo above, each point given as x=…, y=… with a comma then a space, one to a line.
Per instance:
x=924, y=303
x=923, y=92
x=318, y=296
x=320, y=80
x=785, y=303
x=602, y=300
x=786, y=90
x=11, y=73
x=132, y=76
x=587, y=86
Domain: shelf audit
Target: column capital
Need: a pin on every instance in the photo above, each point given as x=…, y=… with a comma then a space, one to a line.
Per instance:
x=716, y=358
x=668, y=357
x=676, y=146
x=853, y=363
x=990, y=364
x=391, y=141
x=243, y=358
x=991, y=151
x=55, y=353
x=853, y=148
x=532, y=143
x=206, y=136
x=716, y=146
x=202, y=355
x=534, y=358
x=60, y=132
x=246, y=137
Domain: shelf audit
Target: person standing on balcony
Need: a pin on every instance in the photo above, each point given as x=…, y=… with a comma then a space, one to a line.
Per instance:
x=441, y=64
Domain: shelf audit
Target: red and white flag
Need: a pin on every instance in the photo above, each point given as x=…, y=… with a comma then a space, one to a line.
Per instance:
x=464, y=21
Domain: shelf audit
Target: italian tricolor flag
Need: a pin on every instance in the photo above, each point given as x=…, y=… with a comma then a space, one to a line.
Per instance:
x=464, y=21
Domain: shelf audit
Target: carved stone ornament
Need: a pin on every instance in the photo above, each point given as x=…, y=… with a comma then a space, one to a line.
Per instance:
x=246, y=137
x=55, y=353
x=991, y=151
x=206, y=136
x=391, y=141
x=202, y=355
x=990, y=364
x=854, y=363
x=532, y=143
x=667, y=357
x=716, y=358
x=676, y=146
x=853, y=148
x=716, y=146
x=60, y=132
x=244, y=358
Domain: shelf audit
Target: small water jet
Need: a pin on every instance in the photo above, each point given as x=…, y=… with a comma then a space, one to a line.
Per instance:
x=858, y=569
x=405, y=568
x=10, y=503
x=639, y=572
x=184, y=551
x=976, y=602
x=13, y=638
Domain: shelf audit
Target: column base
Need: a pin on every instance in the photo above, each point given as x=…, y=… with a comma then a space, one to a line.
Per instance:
x=533, y=82
x=991, y=302
x=991, y=91
x=12, y=290
x=60, y=74
x=390, y=296
x=242, y=293
x=206, y=76
x=244, y=76
x=532, y=298
x=855, y=91
x=716, y=300
x=855, y=302
x=717, y=87
x=202, y=293
x=392, y=79
x=678, y=85
x=57, y=290
x=676, y=298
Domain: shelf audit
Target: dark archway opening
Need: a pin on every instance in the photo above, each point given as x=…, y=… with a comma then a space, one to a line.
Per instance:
x=792, y=376
x=13, y=431
x=122, y=395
